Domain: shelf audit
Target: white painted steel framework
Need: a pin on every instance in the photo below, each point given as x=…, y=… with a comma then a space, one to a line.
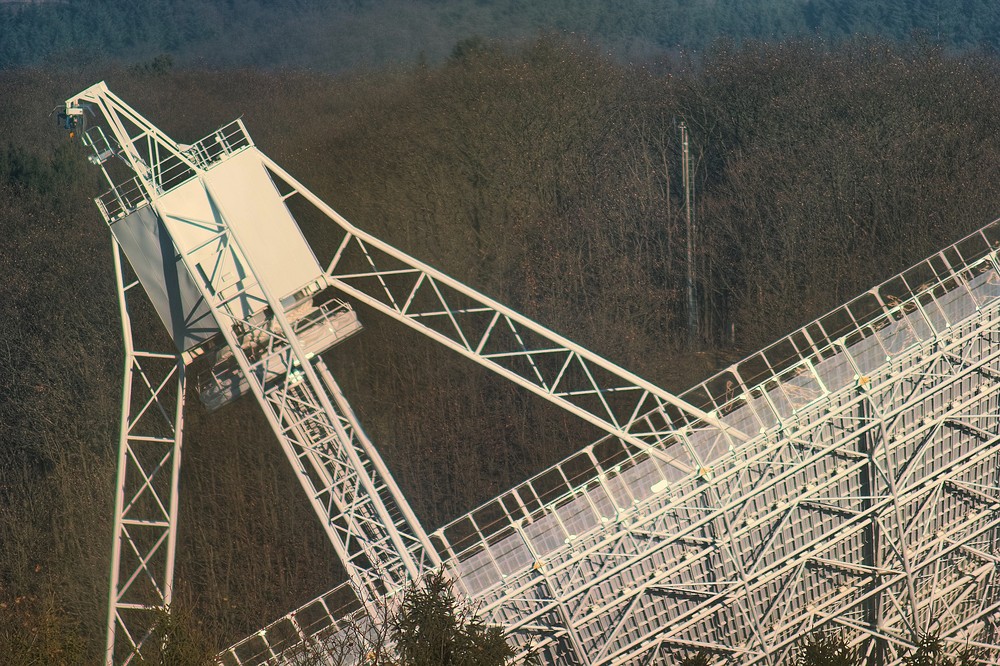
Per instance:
x=845, y=477
x=194, y=239
x=149, y=458
x=867, y=502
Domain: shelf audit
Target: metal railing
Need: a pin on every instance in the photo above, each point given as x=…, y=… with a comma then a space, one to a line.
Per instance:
x=221, y=143
x=170, y=172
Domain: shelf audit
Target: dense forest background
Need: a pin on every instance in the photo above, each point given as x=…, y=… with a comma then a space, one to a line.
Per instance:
x=545, y=173
x=335, y=35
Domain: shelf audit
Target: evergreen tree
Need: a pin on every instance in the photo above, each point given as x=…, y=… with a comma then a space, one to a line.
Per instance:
x=433, y=628
x=827, y=650
x=699, y=658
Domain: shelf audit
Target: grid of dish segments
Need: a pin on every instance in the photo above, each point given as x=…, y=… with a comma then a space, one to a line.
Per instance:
x=774, y=546
x=610, y=554
x=797, y=381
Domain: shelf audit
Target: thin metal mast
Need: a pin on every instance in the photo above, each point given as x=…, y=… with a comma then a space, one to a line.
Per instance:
x=689, y=282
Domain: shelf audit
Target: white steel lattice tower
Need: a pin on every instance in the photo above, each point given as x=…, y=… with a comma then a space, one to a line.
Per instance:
x=845, y=478
x=211, y=242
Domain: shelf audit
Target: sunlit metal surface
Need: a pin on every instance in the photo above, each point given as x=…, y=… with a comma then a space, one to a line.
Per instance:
x=868, y=501
x=845, y=478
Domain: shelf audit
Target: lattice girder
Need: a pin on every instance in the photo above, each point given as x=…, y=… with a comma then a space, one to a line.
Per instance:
x=149, y=455
x=981, y=452
x=512, y=345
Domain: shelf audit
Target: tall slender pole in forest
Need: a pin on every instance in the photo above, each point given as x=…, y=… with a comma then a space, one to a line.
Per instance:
x=692, y=303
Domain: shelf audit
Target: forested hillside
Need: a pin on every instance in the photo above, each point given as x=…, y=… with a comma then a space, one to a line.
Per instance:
x=548, y=177
x=335, y=35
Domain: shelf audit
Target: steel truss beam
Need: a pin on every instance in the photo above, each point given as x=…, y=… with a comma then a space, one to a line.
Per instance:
x=365, y=516
x=887, y=500
x=149, y=458
x=513, y=346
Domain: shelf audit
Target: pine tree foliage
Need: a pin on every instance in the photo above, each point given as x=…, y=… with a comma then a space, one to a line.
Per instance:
x=930, y=650
x=700, y=658
x=432, y=628
x=827, y=650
